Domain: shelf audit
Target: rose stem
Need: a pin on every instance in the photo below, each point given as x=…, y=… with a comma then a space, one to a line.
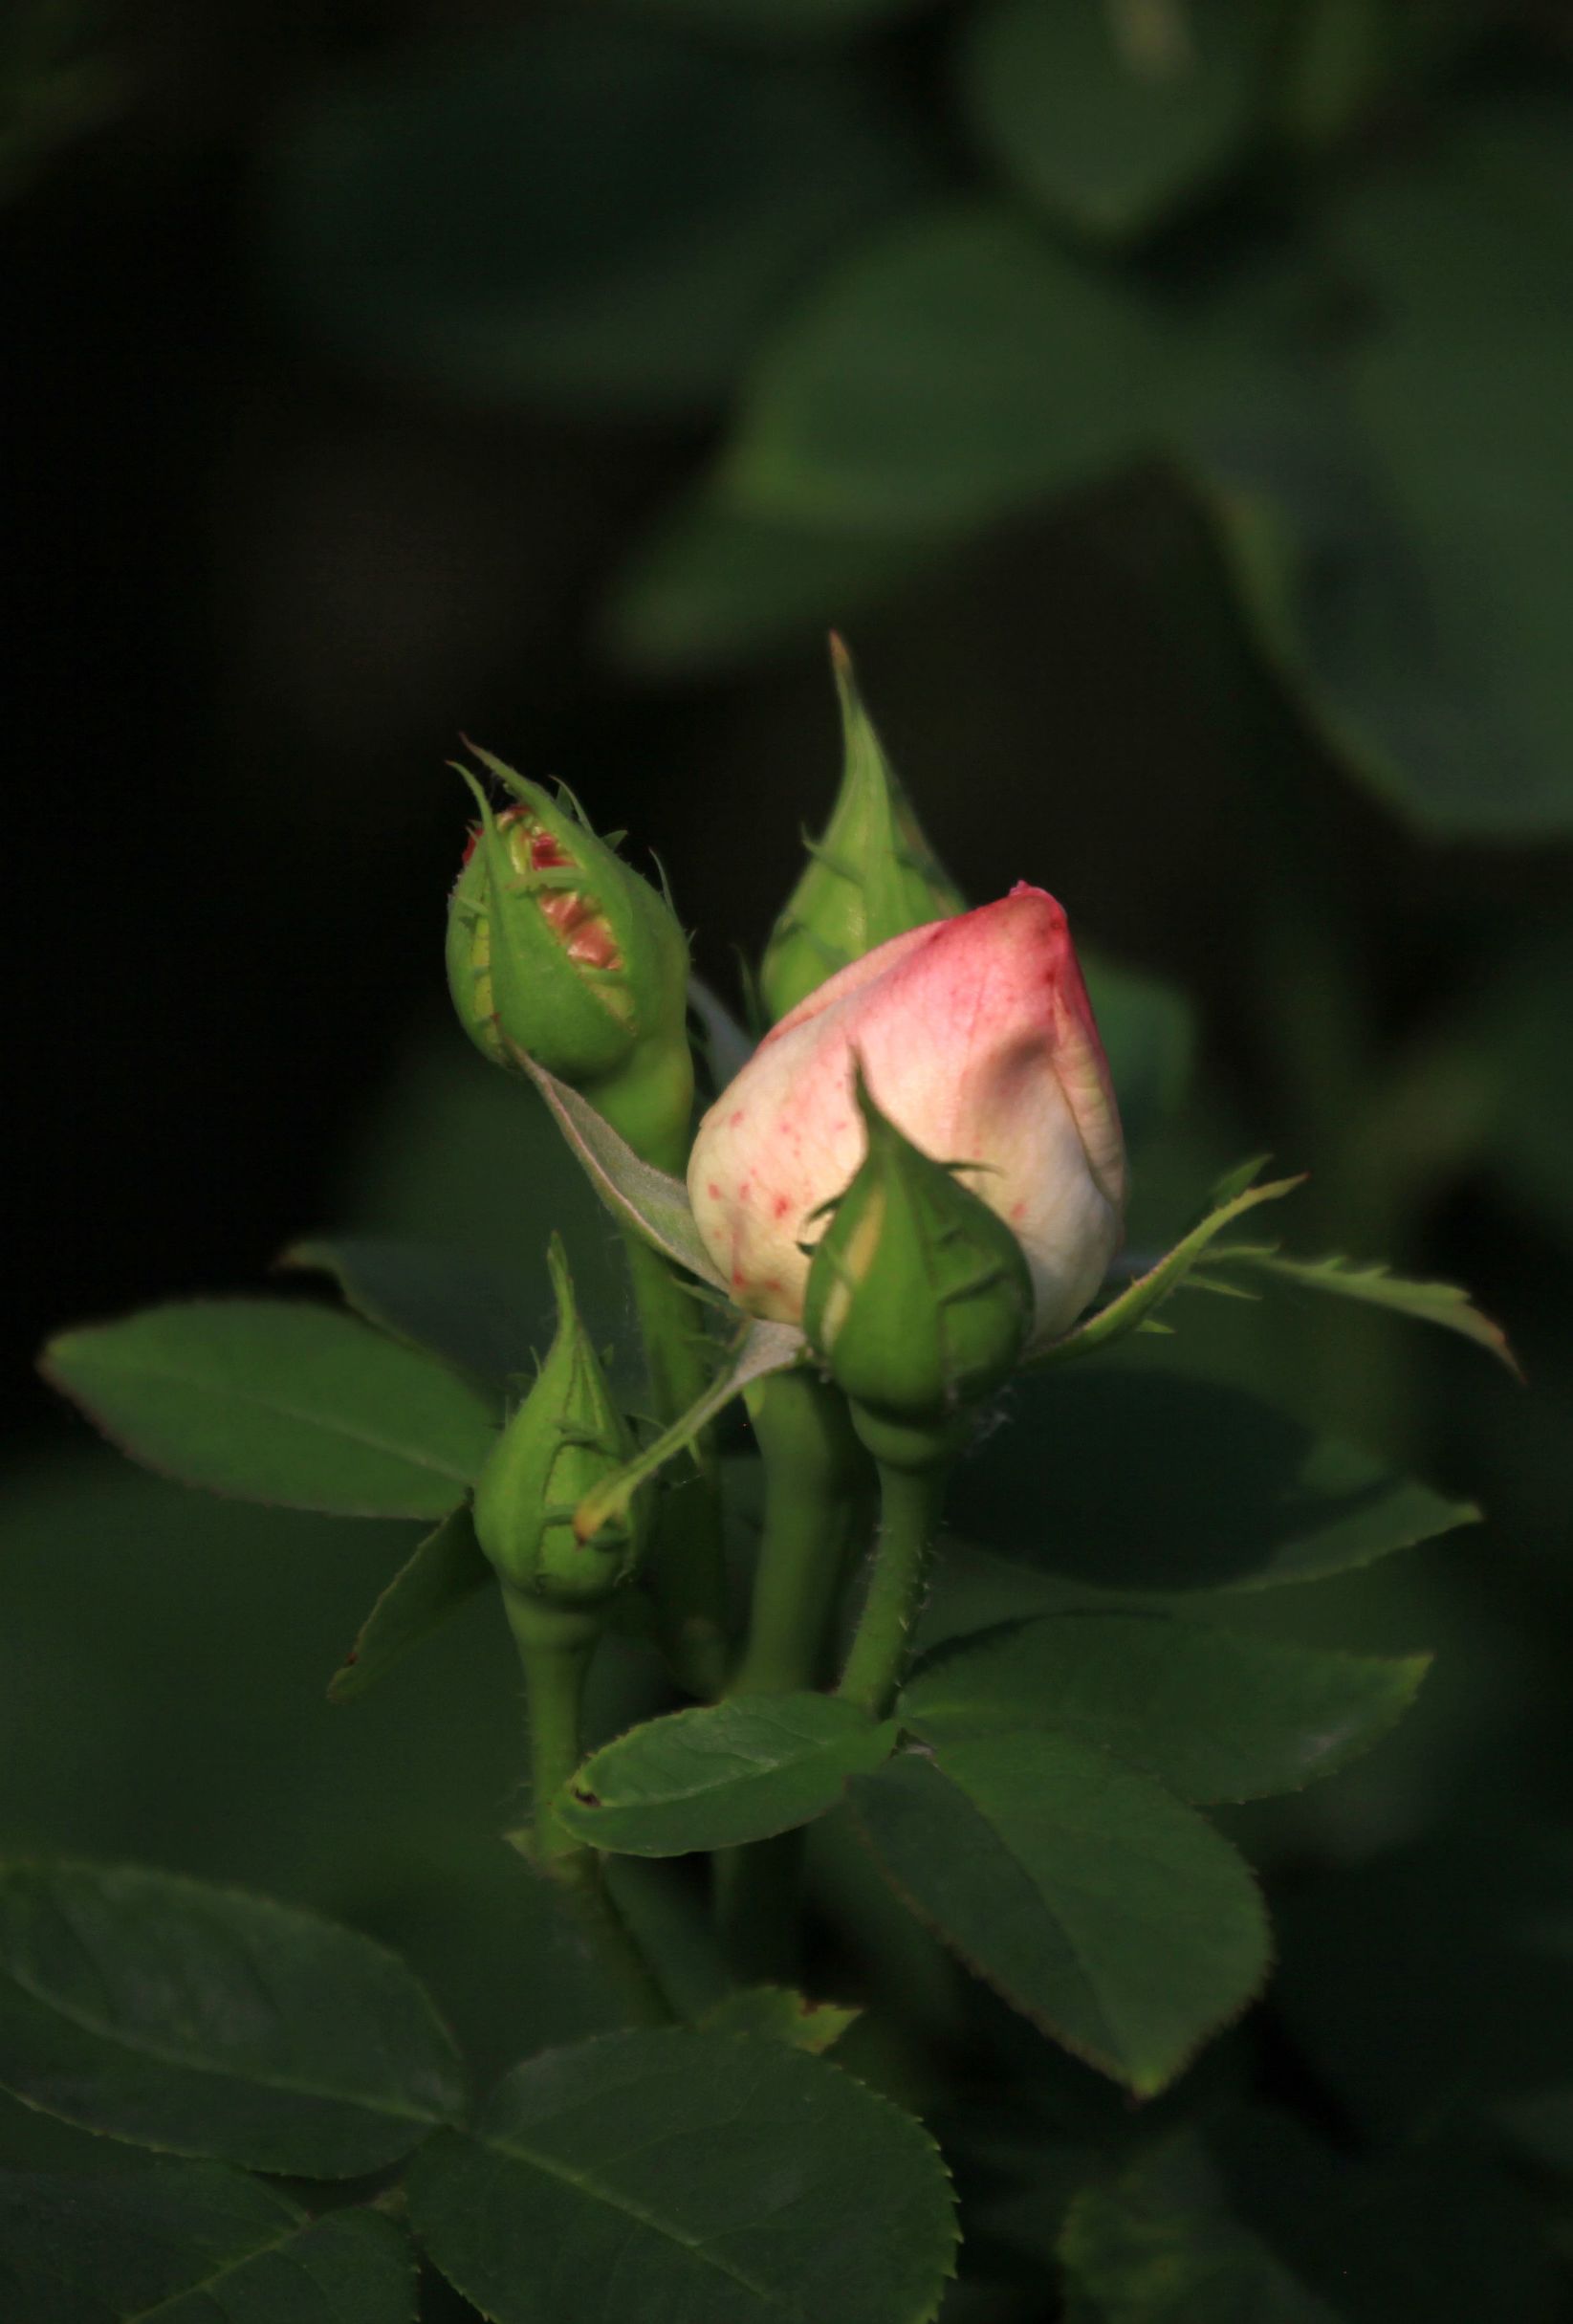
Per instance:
x=817, y=1491
x=555, y=1645
x=687, y=1566
x=910, y=1505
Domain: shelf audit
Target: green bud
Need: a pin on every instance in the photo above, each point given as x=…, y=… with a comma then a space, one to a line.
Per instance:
x=557, y=947
x=565, y=1438
x=871, y=877
x=919, y=1299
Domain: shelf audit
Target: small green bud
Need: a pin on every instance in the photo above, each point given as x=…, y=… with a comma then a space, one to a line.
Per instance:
x=557, y=947
x=872, y=876
x=564, y=1439
x=919, y=1299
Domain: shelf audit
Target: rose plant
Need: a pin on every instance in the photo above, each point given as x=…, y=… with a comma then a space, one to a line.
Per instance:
x=878, y=1656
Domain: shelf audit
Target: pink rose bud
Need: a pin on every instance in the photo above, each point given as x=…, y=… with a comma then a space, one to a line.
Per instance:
x=976, y=1040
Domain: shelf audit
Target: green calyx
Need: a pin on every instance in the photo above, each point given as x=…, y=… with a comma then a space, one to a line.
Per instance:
x=919, y=1301
x=558, y=948
x=871, y=876
x=564, y=1439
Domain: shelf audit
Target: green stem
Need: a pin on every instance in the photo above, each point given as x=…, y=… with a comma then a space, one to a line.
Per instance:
x=910, y=1505
x=817, y=1490
x=555, y=1645
x=687, y=1566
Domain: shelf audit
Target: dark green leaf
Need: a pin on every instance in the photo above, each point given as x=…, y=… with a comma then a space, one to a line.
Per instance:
x=483, y=1315
x=191, y=2243
x=723, y=1774
x=280, y=1402
x=1090, y=1898
x=943, y=373
x=1110, y=117
x=778, y=2015
x=579, y=212
x=1215, y=1714
x=690, y=2178
x=714, y=584
x=200, y=2021
x=443, y=1571
x=1134, y=1480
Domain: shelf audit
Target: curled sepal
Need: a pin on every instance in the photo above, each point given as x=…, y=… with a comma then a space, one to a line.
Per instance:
x=872, y=875
x=557, y=947
x=919, y=1299
x=562, y=1442
x=764, y=1348
x=1132, y=1311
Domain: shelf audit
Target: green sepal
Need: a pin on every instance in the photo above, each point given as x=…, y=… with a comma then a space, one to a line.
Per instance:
x=557, y=947
x=919, y=1299
x=565, y=1438
x=872, y=875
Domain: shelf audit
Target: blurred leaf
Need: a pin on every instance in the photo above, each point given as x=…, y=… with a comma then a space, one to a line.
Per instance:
x=279, y=1402
x=1392, y=521
x=1341, y=58
x=1108, y=133
x=574, y=211
x=58, y=80
x=1159, y=2245
x=483, y=1316
x=778, y=2015
x=1148, y=1030
x=191, y=2243
x=713, y=583
x=1524, y=1021
x=712, y=2173
x=1427, y=1302
x=1100, y=1907
x=944, y=372
x=1211, y=1714
x=439, y=1575
x=722, y=1774
x=203, y=2022
x=1134, y=1480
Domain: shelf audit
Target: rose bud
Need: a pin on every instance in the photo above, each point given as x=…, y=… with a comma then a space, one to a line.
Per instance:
x=977, y=1040
x=564, y=1439
x=556, y=946
x=872, y=876
x=918, y=1299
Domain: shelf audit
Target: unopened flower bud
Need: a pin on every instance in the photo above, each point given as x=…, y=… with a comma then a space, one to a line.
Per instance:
x=565, y=1438
x=870, y=877
x=919, y=1300
x=558, y=948
x=977, y=1040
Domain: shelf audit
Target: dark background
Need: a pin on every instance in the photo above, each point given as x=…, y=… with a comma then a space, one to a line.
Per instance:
x=384, y=373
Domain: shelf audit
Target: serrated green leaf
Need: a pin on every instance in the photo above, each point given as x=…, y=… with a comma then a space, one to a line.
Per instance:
x=279, y=1401
x=1108, y=131
x=1130, y=1479
x=631, y=209
x=439, y=1576
x=723, y=1774
x=944, y=372
x=200, y=2021
x=778, y=2015
x=1428, y=1302
x=480, y=1314
x=1134, y=1306
x=1091, y=1899
x=191, y=2243
x=700, y=2177
x=1213, y=1714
